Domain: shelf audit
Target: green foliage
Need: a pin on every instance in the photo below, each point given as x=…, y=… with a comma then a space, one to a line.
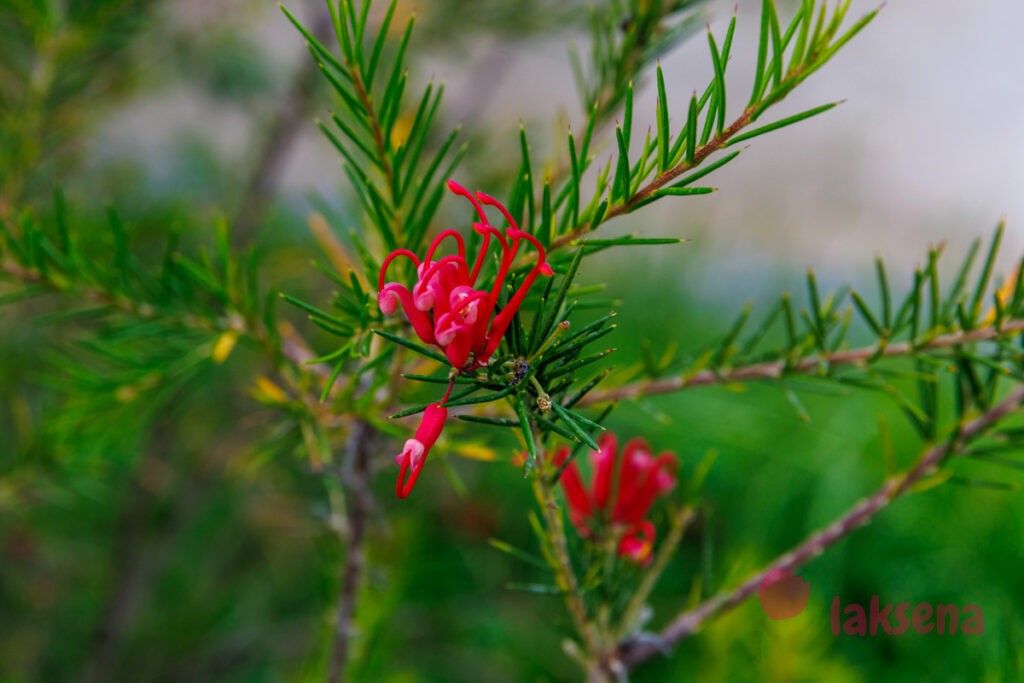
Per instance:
x=397, y=181
x=137, y=426
x=541, y=376
x=142, y=329
x=56, y=59
x=951, y=332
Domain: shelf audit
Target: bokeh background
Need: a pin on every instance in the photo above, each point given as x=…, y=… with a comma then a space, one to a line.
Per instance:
x=185, y=553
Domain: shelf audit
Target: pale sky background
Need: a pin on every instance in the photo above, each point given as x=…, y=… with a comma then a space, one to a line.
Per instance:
x=928, y=147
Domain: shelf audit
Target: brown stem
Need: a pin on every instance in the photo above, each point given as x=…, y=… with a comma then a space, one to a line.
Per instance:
x=380, y=142
x=127, y=583
x=680, y=522
x=687, y=623
x=777, y=369
x=132, y=561
x=662, y=179
x=355, y=476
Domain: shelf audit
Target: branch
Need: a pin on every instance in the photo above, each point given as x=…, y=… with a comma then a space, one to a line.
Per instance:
x=627, y=183
x=355, y=477
x=681, y=521
x=662, y=179
x=687, y=623
x=561, y=564
x=285, y=343
x=780, y=368
x=127, y=570
x=139, y=309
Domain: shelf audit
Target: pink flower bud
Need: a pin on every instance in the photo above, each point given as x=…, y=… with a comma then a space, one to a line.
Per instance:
x=415, y=452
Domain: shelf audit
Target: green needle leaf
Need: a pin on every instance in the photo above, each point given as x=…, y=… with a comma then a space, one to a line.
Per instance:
x=691, y=129
x=663, y=132
x=676, y=191
x=569, y=419
x=412, y=346
x=524, y=425
x=788, y=121
x=717, y=62
x=493, y=421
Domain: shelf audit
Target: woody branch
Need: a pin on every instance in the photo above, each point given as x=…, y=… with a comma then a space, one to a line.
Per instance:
x=779, y=368
x=687, y=623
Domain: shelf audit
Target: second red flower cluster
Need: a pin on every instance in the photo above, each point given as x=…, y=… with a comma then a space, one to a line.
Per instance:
x=624, y=488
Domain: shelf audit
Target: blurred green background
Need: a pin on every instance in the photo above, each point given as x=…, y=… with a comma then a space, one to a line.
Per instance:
x=201, y=550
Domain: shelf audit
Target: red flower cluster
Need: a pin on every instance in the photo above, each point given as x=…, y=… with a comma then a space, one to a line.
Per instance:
x=620, y=499
x=446, y=309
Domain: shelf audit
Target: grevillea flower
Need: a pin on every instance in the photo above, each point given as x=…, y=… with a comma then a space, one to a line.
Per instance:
x=448, y=308
x=621, y=495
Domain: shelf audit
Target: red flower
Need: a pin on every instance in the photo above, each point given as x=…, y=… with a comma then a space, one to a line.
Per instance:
x=621, y=499
x=446, y=309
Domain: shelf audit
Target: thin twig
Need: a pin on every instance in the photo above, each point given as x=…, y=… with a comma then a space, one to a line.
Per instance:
x=687, y=623
x=662, y=179
x=128, y=576
x=681, y=521
x=780, y=368
x=293, y=346
x=565, y=575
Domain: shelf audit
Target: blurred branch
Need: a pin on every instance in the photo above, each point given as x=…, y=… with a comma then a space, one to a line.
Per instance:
x=687, y=623
x=355, y=477
x=774, y=370
x=139, y=309
x=127, y=578
x=184, y=295
x=279, y=137
x=681, y=521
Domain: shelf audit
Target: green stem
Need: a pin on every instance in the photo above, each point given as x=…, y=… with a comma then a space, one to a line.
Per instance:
x=680, y=522
x=561, y=565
